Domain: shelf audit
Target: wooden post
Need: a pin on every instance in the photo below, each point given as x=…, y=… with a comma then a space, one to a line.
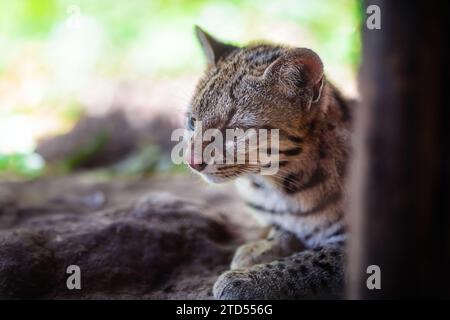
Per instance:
x=400, y=184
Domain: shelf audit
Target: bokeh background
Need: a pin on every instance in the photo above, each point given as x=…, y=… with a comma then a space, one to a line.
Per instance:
x=101, y=84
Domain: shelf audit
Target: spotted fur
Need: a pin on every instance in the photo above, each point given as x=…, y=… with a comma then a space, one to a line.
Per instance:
x=271, y=86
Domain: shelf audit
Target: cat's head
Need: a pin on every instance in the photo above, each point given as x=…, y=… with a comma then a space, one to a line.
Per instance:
x=254, y=87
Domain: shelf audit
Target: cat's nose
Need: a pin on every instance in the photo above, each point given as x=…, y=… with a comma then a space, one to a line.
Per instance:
x=194, y=159
x=194, y=162
x=198, y=166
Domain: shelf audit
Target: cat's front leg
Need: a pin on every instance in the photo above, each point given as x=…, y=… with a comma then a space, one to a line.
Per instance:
x=305, y=275
x=278, y=244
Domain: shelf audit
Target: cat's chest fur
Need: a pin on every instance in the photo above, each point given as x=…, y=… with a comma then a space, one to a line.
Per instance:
x=270, y=206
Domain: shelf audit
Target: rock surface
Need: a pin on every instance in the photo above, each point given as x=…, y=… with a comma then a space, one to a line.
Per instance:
x=145, y=239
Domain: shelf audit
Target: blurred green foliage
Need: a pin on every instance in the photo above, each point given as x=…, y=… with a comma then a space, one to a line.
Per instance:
x=138, y=39
x=167, y=24
x=27, y=165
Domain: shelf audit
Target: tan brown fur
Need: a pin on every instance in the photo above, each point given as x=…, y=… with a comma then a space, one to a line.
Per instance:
x=267, y=86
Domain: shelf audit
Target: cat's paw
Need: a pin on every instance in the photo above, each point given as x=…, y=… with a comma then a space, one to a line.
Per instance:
x=278, y=245
x=235, y=285
x=254, y=253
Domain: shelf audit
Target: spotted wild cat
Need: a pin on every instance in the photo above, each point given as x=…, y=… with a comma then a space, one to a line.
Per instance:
x=271, y=86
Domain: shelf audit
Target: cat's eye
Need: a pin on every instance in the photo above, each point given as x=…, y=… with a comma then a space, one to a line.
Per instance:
x=191, y=123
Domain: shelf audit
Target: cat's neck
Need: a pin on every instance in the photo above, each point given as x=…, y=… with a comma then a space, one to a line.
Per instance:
x=323, y=158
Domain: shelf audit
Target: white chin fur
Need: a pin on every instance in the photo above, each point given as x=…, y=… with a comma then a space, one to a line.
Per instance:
x=213, y=179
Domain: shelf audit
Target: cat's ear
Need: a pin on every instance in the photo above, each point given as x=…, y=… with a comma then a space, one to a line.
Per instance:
x=298, y=68
x=212, y=48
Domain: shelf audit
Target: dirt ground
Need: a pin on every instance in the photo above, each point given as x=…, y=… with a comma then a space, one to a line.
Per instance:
x=152, y=238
